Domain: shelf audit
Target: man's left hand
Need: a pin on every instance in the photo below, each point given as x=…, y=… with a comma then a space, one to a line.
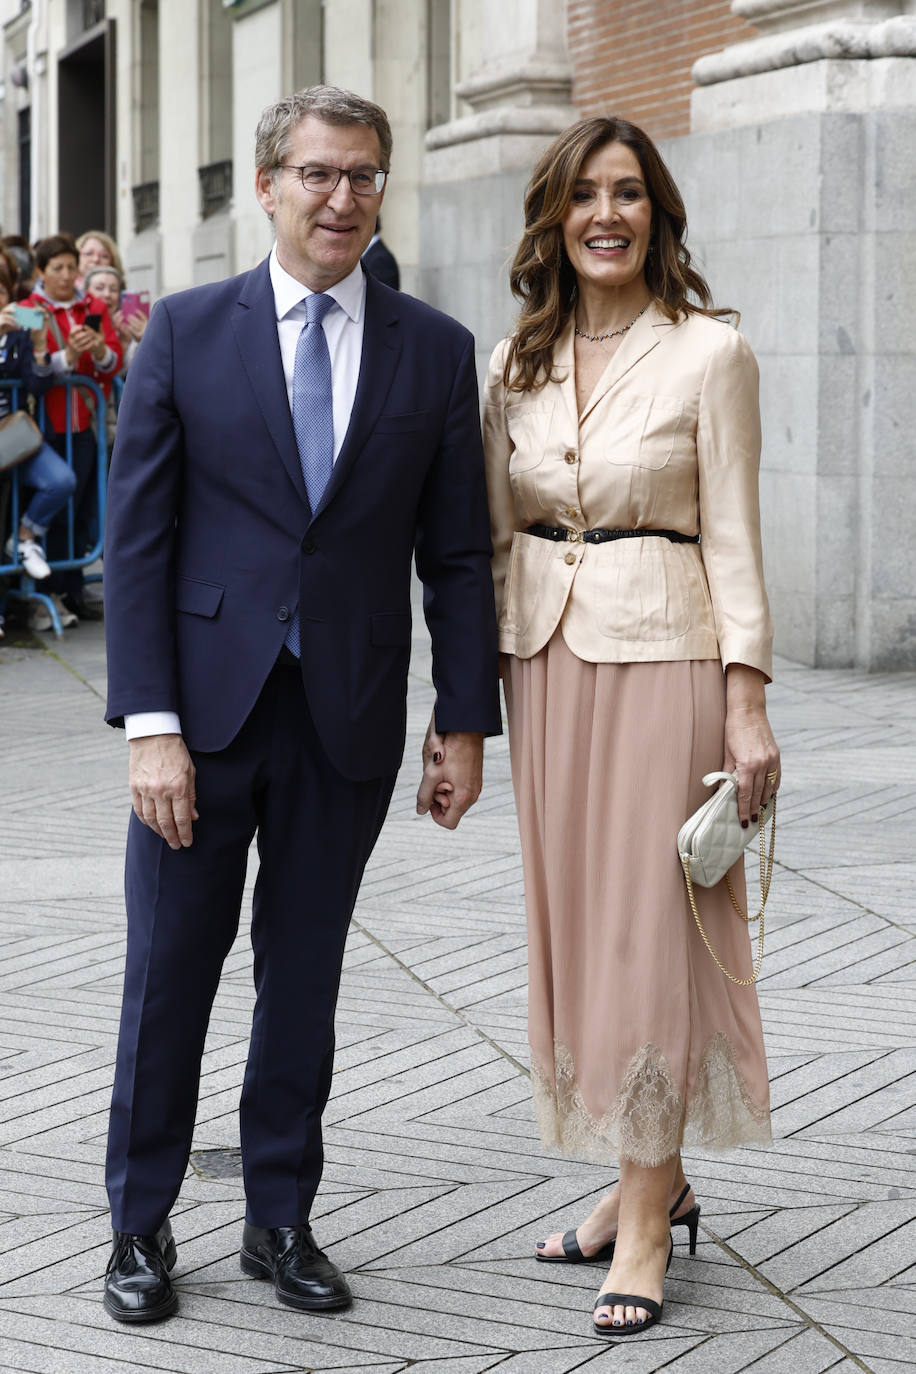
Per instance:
x=452, y=775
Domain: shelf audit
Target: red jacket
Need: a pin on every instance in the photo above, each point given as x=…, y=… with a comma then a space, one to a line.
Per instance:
x=66, y=318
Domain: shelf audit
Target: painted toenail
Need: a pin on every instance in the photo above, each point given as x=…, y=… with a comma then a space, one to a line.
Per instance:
x=539, y=1244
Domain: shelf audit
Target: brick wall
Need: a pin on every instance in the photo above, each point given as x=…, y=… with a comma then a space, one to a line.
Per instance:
x=633, y=57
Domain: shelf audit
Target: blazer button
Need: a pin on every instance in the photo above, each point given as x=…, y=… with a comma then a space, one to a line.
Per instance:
x=307, y=546
x=571, y=457
x=570, y=558
x=283, y=613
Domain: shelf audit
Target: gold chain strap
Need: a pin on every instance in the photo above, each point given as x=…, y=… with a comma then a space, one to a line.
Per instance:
x=766, y=874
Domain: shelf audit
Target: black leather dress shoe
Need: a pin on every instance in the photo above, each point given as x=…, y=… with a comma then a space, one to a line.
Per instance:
x=303, y=1276
x=137, y=1283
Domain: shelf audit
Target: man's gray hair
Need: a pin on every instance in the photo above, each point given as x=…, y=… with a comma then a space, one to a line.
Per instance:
x=329, y=103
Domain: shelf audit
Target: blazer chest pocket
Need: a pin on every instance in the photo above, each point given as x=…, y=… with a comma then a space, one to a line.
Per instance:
x=528, y=427
x=198, y=598
x=401, y=424
x=642, y=431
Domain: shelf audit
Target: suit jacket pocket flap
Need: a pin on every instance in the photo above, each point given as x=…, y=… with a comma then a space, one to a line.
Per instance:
x=198, y=598
x=390, y=629
x=401, y=424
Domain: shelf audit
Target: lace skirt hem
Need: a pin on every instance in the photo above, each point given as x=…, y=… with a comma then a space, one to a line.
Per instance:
x=649, y=1121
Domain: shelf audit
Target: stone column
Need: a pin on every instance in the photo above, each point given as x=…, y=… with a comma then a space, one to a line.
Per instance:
x=800, y=183
x=477, y=165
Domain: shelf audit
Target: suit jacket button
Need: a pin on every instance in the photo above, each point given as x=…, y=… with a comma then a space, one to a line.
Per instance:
x=570, y=558
x=283, y=613
x=571, y=457
x=307, y=546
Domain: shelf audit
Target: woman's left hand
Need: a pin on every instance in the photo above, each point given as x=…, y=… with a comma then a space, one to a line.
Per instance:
x=749, y=744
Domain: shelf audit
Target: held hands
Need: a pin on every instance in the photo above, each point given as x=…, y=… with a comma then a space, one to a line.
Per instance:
x=749, y=744
x=133, y=328
x=85, y=340
x=161, y=779
x=39, y=336
x=452, y=775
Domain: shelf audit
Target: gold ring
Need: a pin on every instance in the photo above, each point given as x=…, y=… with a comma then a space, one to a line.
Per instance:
x=771, y=777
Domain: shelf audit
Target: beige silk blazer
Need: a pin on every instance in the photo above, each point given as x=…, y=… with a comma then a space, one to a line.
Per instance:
x=669, y=439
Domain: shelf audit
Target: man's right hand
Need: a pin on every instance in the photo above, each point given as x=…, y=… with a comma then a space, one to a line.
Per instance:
x=162, y=787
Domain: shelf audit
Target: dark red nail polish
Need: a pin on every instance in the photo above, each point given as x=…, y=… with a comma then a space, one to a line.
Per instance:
x=744, y=825
x=437, y=757
x=754, y=817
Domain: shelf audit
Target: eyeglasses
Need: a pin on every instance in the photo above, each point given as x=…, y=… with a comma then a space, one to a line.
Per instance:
x=364, y=181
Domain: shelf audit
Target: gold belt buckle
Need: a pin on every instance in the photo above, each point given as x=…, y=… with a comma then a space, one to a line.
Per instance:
x=574, y=537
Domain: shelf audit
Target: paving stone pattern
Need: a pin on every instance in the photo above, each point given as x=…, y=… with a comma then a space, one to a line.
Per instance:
x=436, y=1187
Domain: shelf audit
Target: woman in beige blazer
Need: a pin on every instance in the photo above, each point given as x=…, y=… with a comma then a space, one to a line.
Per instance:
x=622, y=437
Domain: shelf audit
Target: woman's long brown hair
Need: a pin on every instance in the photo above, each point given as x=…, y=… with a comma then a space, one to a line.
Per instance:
x=541, y=275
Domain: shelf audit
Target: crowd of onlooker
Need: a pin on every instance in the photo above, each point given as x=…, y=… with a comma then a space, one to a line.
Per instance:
x=64, y=311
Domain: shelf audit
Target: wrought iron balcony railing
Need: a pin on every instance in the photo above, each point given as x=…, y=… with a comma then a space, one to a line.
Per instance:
x=146, y=206
x=215, y=187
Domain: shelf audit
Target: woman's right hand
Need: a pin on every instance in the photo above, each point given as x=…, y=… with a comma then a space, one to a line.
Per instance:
x=8, y=319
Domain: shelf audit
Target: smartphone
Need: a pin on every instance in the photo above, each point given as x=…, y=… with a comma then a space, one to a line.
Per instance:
x=135, y=303
x=29, y=316
x=93, y=322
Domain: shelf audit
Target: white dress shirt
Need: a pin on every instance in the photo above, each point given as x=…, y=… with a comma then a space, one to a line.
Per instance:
x=343, y=327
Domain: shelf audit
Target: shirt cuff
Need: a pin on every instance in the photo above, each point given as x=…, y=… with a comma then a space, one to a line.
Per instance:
x=59, y=361
x=142, y=723
x=108, y=363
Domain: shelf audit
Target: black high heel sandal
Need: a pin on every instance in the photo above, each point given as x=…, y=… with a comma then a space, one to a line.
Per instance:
x=572, y=1254
x=690, y=1219
x=653, y=1308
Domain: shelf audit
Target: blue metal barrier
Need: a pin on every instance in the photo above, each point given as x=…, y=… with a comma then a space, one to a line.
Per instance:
x=27, y=588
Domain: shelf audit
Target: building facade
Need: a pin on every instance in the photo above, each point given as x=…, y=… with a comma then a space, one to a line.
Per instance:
x=789, y=127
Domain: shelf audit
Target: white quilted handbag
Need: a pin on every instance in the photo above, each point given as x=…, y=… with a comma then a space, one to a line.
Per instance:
x=711, y=841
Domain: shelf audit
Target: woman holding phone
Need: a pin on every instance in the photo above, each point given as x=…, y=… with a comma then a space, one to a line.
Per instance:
x=129, y=314
x=83, y=341
x=24, y=357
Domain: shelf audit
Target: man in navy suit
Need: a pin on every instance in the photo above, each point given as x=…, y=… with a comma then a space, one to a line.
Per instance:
x=258, y=645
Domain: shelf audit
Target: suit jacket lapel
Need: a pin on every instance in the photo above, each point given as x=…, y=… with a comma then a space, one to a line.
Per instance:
x=255, y=324
x=381, y=350
x=637, y=342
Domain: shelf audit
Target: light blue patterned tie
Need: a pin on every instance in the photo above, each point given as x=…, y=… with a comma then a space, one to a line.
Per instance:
x=313, y=414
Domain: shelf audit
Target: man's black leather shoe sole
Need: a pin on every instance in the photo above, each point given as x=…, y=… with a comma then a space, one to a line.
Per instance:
x=137, y=1283
x=303, y=1276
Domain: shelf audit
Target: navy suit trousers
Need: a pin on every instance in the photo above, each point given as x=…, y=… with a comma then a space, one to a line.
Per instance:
x=315, y=831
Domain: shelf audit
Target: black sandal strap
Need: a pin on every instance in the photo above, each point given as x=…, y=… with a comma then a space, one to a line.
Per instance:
x=571, y=1249
x=629, y=1300
x=683, y=1193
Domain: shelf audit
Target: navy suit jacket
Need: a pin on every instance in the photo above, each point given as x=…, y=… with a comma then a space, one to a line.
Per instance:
x=381, y=262
x=210, y=543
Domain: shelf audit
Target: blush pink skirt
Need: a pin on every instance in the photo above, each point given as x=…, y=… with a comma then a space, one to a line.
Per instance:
x=639, y=1044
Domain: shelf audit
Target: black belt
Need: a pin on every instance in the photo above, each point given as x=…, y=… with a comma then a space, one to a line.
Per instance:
x=559, y=533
